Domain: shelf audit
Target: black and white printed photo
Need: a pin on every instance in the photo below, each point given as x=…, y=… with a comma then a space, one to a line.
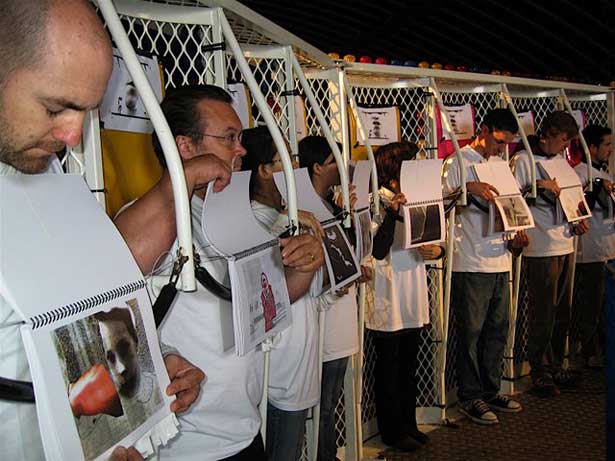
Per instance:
x=340, y=256
x=514, y=212
x=425, y=223
x=109, y=374
x=574, y=206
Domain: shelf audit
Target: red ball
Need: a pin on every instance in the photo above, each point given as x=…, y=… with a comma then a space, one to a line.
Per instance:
x=461, y=69
x=365, y=59
x=381, y=61
x=449, y=67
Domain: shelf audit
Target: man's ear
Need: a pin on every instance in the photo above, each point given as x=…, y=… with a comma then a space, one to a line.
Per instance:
x=185, y=146
x=317, y=169
x=484, y=130
x=264, y=172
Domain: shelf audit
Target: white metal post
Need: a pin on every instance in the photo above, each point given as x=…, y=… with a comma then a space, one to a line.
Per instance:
x=447, y=125
x=289, y=88
x=368, y=147
x=526, y=143
x=174, y=164
x=339, y=160
x=588, y=158
x=450, y=246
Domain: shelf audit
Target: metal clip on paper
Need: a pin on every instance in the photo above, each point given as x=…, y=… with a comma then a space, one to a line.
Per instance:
x=168, y=292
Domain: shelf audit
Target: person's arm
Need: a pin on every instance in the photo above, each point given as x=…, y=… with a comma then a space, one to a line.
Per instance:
x=383, y=239
x=302, y=256
x=148, y=226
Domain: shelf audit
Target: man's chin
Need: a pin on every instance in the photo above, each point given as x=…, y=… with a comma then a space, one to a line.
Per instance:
x=29, y=165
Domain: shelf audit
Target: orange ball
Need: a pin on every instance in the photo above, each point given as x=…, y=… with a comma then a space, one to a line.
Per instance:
x=424, y=65
x=437, y=66
x=350, y=58
x=334, y=55
x=496, y=72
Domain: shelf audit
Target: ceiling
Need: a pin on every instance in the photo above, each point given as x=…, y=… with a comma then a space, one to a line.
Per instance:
x=563, y=38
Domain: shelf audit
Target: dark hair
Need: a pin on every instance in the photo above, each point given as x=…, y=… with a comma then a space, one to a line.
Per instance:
x=501, y=120
x=260, y=150
x=180, y=109
x=389, y=158
x=313, y=150
x=23, y=25
x=559, y=122
x=593, y=134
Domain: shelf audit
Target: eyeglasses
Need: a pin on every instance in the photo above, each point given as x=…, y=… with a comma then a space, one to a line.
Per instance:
x=229, y=140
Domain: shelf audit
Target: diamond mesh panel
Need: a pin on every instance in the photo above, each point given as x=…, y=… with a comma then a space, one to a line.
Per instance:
x=481, y=102
x=271, y=76
x=541, y=107
x=413, y=105
x=596, y=112
x=179, y=48
x=328, y=105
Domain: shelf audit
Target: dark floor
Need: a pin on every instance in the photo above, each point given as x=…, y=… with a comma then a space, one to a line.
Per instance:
x=569, y=427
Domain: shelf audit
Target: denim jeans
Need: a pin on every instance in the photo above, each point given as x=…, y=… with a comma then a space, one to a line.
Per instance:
x=253, y=452
x=549, y=282
x=285, y=430
x=481, y=302
x=330, y=390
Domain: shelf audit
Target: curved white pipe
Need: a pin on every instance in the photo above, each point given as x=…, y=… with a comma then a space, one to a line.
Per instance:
x=588, y=157
x=526, y=143
x=174, y=164
x=265, y=110
x=365, y=139
x=463, y=200
x=339, y=159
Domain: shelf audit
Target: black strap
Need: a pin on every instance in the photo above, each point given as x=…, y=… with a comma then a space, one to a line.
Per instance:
x=16, y=391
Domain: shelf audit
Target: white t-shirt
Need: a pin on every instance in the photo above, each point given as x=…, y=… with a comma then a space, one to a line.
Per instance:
x=400, y=285
x=19, y=432
x=548, y=238
x=598, y=244
x=474, y=250
x=225, y=418
x=293, y=366
x=341, y=326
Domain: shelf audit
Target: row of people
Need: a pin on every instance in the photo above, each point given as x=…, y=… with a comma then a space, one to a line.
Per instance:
x=38, y=118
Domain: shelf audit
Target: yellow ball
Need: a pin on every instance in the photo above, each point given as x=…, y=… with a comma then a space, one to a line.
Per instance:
x=424, y=65
x=437, y=66
x=334, y=55
x=350, y=58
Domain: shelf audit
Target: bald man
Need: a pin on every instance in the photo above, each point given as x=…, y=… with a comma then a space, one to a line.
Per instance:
x=56, y=60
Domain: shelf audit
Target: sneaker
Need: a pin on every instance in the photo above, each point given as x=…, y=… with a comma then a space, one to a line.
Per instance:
x=479, y=412
x=419, y=436
x=505, y=404
x=544, y=387
x=567, y=380
x=595, y=362
x=407, y=444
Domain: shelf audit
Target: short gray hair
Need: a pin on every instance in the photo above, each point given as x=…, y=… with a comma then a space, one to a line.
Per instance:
x=22, y=32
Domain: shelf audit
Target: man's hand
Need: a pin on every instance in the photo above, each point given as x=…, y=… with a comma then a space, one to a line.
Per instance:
x=608, y=185
x=125, y=454
x=339, y=199
x=303, y=253
x=520, y=240
x=204, y=169
x=185, y=382
x=482, y=190
x=397, y=201
x=366, y=274
x=580, y=227
x=550, y=185
x=429, y=252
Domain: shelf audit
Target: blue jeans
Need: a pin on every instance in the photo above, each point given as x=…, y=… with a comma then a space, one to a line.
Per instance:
x=285, y=430
x=330, y=390
x=481, y=302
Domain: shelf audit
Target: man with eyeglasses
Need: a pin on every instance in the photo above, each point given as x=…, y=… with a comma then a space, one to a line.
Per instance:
x=480, y=292
x=225, y=421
